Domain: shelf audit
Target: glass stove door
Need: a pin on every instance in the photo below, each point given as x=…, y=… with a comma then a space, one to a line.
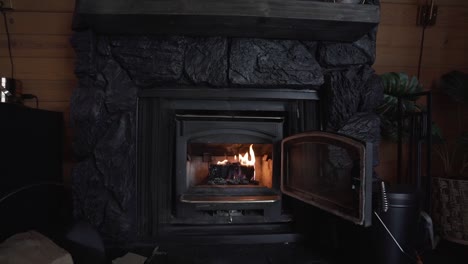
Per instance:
x=329, y=171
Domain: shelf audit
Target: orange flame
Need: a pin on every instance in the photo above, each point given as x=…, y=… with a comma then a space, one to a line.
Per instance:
x=245, y=159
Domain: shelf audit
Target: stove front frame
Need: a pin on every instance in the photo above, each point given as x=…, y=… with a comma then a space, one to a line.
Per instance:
x=157, y=109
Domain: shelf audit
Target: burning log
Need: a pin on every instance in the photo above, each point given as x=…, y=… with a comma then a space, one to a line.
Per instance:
x=234, y=173
x=231, y=173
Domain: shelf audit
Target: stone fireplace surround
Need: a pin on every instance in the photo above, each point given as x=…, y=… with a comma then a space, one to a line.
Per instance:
x=112, y=69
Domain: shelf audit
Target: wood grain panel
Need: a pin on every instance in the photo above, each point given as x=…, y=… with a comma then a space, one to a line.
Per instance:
x=40, y=68
x=397, y=57
x=398, y=36
x=437, y=2
x=452, y=17
x=44, y=5
x=38, y=23
x=445, y=58
x=49, y=91
x=50, y=46
x=459, y=3
x=429, y=74
x=411, y=70
x=446, y=38
x=398, y=14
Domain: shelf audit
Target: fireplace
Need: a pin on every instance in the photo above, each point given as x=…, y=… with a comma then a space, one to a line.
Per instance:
x=153, y=115
x=225, y=159
x=196, y=145
x=214, y=134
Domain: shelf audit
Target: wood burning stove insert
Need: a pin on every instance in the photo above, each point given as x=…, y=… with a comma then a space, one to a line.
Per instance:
x=225, y=164
x=227, y=157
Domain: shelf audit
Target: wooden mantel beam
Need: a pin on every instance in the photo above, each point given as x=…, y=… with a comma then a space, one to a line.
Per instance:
x=286, y=19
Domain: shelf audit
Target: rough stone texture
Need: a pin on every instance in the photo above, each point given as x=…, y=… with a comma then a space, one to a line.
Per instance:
x=261, y=62
x=364, y=126
x=104, y=184
x=150, y=60
x=98, y=206
x=103, y=111
x=88, y=114
x=311, y=46
x=362, y=51
x=372, y=94
x=121, y=94
x=82, y=43
x=206, y=61
x=342, y=94
x=373, y=2
x=89, y=119
x=115, y=158
x=89, y=202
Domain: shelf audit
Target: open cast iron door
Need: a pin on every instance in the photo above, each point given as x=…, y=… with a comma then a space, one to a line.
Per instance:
x=329, y=171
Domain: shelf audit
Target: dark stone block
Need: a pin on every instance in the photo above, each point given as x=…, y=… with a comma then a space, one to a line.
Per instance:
x=89, y=199
x=261, y=62
x=373, y=2
x=342, y=94
x=95, y=204
x=372, y=94
x=150, y=60
x=119, y=227
x=366, y=127
x=103, y=46
x=83, y=44
x=121, y=92
x=206, y=61
x=311, y=46
x=89, y=119
x=115, y=159
x=335, y=54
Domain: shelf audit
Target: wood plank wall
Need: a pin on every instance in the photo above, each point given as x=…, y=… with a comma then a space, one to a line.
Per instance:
x=445, y=49
x=43, y=57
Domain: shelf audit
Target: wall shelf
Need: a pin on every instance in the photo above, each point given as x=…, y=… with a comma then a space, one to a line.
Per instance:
x=283, y=19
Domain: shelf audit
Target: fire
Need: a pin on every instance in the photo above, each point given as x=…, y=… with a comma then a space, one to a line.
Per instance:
x=248, y=159
x=224, y=162
x=245, y=159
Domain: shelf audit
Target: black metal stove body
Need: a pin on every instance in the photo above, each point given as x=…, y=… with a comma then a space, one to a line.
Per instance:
x=211, y=180
x=183, y=133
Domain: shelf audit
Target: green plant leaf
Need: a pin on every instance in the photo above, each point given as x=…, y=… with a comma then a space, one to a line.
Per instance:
x=455, y=84
x=462, y=141
x=437, y=136
x=397, y=86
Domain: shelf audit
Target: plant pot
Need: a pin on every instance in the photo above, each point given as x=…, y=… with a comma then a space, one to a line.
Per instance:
x=450, y=208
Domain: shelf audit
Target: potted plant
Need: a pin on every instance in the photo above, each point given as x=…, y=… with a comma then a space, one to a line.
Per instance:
x=397, y=85
x=450, y=188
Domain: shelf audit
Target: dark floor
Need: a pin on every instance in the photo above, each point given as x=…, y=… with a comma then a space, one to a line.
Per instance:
x=445, y=253
x=240, y=254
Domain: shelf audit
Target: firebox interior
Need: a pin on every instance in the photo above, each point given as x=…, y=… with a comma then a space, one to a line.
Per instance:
x=233, y=164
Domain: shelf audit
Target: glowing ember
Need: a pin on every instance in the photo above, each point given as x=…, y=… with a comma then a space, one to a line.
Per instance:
x=224, y=162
